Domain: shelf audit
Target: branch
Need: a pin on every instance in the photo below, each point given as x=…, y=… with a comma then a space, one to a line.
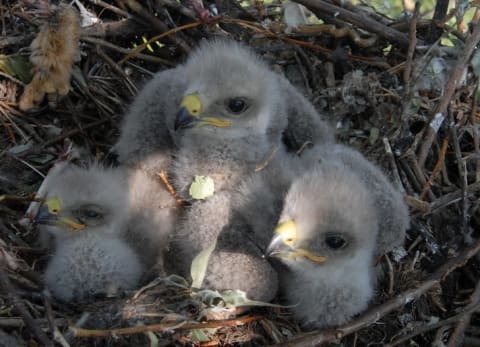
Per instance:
x=455, y=76
x=335, y=335
x=77, y=332
x=20, y=307
x=320, y=7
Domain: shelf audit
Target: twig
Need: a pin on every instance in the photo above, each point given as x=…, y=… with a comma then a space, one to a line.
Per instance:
x=334, y=335
x=163, y=177
x=177, y=6
x=110, y=7
x=155, y=22
x=6, y=197
x=391, y=276
x=121, y=28
x=57, y=335
x=130, y=85
x=77, y=332
x=22, y=309
x=15, y=322
x=412, y=34
x=417, y=171
x=436, y=169
x=439, y=16
x=319, y=7
x=462, y=172
x=451, y=198
x=457, y=336
x=328, y=52
x=135, y=52
x=475, y=130
x=77, y=131
x=450, y=87
x=111, y=46
x=428, y=327
x=393, y=164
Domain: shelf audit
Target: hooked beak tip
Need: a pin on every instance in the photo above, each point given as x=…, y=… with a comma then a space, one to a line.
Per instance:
x=276, y=247
x=184, y=119
x=44, y=216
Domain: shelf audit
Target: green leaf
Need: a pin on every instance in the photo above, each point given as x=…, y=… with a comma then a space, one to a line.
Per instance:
x=230, y=298
x=20, y=148
x=16, y=66
x=199, y=335
x=153, y=339
x=202, y=187
x=200, y=264
x=238, y=298
x=374, y=132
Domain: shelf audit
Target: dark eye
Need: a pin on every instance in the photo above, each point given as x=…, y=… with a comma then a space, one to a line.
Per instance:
x=335, y=241
x=236, y=105
x=89, y=213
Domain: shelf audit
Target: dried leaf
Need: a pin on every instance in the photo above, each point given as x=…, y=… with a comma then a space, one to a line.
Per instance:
x=200, y=264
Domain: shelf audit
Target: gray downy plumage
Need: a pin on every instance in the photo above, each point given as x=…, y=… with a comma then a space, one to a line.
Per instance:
x=79, y=200
x=325, y=242
x=393, y=213
x=232, y=120
x=217, y=71
x=125, y=203
x=343, y=212
x=92, y=264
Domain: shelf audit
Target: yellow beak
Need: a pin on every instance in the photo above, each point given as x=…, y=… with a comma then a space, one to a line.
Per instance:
x=282, y=244
x=49, y=214
x=189, y=115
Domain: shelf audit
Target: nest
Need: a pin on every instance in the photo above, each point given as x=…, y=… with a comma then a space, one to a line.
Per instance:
x=392, y=86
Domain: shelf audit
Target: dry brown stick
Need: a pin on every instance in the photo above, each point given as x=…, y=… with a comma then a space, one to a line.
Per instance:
x=436, y=169
x=156, y=23
x=328, y=52
x=146, y=57
x=20, y=307
x=110, y=7
x=417, y=171
x=77, y=332
x=462, y=172
x=334, y=335
x=133, y=90
x=412, y=34
x=428, y=327
x=163, y=177
x=453, y=197
x=361, y=21
x=475, y=130
x=122, y=28
x=450, y=87
x=136, y=51
x=439, y=16
x=458, y=333
x=393, y=165
x=177, y=6
x=57, y=335
x=77, y=131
